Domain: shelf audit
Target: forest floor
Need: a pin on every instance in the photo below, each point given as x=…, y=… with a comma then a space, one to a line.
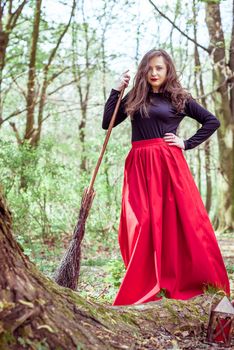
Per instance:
x=101, y=277
x=226, y=245
x=102, y=271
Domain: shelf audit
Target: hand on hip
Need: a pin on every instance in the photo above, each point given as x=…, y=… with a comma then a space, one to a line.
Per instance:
x=174, y=140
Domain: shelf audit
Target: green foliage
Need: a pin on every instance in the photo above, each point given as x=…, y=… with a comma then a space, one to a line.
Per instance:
x=211, y=289
x=44, y=186
x=162, y=293
x=34, y=181
x=230, y=268
x=115, y=271
x=34, y=344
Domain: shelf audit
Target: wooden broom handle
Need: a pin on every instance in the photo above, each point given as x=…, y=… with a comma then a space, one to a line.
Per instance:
x=106, y=141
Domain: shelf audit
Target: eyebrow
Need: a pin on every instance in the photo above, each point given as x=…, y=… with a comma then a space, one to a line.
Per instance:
x=157, y=65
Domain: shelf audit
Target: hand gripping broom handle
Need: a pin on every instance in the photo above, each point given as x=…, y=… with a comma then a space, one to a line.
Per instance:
x=90, y=188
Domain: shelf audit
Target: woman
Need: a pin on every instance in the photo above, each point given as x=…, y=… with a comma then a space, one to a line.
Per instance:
x=166, y=238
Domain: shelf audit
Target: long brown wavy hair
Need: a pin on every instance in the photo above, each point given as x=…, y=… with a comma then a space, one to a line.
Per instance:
x=138, y=96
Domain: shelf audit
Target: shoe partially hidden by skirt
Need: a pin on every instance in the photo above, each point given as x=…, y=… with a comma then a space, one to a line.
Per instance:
x=166, y=239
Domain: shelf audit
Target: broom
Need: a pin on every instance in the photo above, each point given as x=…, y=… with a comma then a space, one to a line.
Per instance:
x=67, y=273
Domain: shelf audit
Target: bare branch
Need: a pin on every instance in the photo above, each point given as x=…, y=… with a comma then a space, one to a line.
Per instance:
x=229, y=80
x=62, y=86
x=13, y=17
x=17, y=135
x=2, y=8
x=13, y=114
x=175, y=26
x=61, y=37
x=24, y=93
x=56, y=75
x=18, y=112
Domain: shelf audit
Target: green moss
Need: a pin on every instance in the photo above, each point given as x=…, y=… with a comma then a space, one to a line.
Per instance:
x=169, y=307
x=4, y=305
x=34, y=344
x=211, y=289
x=129, y=319
x=6, y=340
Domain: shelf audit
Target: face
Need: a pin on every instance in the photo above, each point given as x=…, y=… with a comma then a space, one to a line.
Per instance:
x=157, y=72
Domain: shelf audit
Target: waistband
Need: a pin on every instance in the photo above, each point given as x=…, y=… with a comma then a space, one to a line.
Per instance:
x=149, y=142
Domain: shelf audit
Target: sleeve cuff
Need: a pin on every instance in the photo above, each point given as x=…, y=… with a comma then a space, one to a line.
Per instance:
x=115, y=91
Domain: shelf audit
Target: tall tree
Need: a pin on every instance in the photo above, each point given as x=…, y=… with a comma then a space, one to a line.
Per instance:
x=49, y=78
x=85, y=61
x=105, y=21
x=36, y=93
x=200, y=91
x=223, y=77
x=31, y=133
x=31, y=95
x=9, y=16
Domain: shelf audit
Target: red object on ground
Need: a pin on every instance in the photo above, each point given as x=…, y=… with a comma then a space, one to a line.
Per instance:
x=165, y=235
x=222, y=330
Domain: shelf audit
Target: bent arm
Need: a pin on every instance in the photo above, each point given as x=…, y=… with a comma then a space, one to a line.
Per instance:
x=209, y=123
x=110, y=107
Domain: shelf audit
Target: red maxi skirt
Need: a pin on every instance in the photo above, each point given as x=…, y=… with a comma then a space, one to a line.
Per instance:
x=165, y=235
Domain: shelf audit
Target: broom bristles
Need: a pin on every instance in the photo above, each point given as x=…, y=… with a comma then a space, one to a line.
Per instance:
x=67, y=274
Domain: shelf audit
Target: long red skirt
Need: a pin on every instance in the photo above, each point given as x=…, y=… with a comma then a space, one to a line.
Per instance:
x=165, y=235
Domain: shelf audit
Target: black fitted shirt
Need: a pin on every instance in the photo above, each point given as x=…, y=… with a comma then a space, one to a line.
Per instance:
x=162, y=119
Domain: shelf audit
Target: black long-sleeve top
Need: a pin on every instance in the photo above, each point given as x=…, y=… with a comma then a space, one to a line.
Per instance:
x=162, y=118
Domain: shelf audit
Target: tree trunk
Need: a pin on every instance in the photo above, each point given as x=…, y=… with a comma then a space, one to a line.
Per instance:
x=84, y=76
x=8, y=21
x=31, y=96
x=48, y=80
x=231, y=66
x=223, y=102
x=37, y=313
x=30, y=129
x=201, y=91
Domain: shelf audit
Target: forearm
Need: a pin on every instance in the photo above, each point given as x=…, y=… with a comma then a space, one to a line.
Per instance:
x=202, y=134
x=110, y=107
x=208, y=120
